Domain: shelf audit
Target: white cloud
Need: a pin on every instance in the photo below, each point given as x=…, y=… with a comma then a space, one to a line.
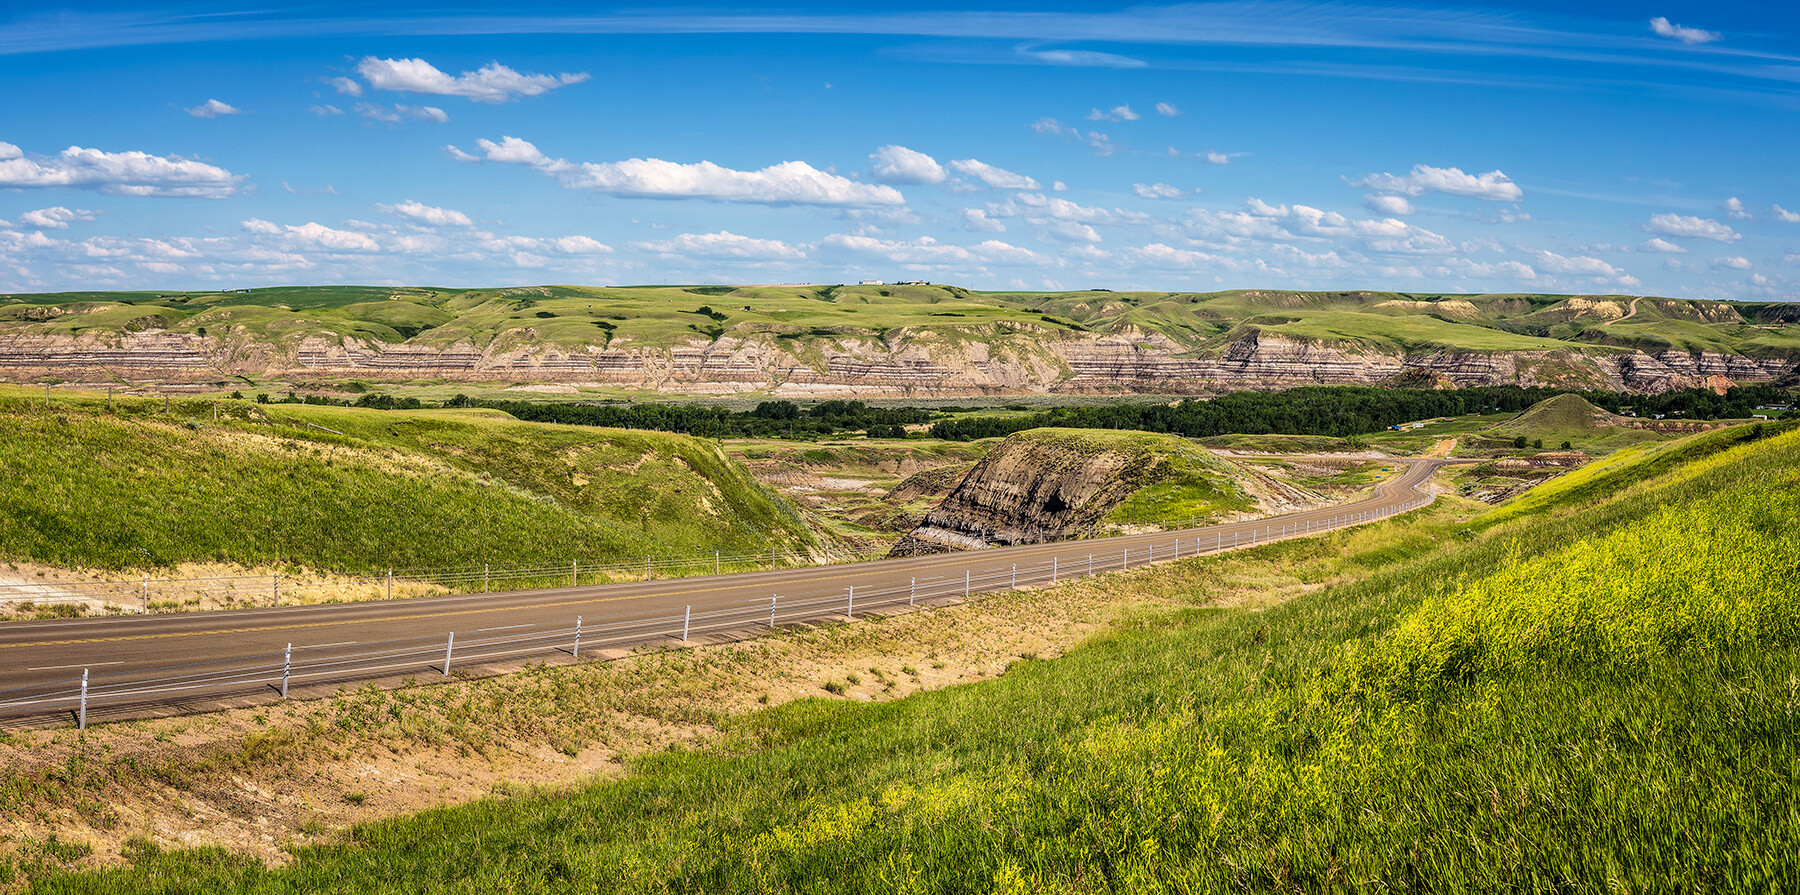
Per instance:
x=1068, y=232
x=1581, y=265
x=1083, y=58
x=977, y=220
x=212, y=108
x=898, y=164
x=1388, y=205
x=723, y=245
x=996, y=178
x=1785, y=216
x=1167, y=110
x=579, y=245
x=1156, y=191
x=787, y=183
x=1689, y=227
x=325, y=111
x=1116, y=113
x=1734, y=209
x=1038, y=208
x=401, y=112
x=119, y=173
x=426, y=214
x=928, y=251
x=1663, y=246
x=346, y=86
x=54, y=218
x=1664, y=28
x=313, y=236
x=1049, y=126
x=1058, y=186
x=1493, y=186
x=493, y=83
x=1738, y=262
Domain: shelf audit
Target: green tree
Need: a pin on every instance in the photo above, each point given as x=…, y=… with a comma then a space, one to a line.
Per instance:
x=1519, y=442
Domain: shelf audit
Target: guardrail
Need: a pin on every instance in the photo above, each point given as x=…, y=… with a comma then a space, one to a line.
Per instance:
x=273, y=674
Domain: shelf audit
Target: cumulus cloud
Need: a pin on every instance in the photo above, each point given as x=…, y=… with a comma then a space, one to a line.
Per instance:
x=1039, y=208
x=1215, y=158
x=313, y=235
x=1734, y=209
x=401, y=113
x=118, y=173
x=1785, y=216
x=997, y=178
x=1664, y=28
x=787, y=183
x=346, y=86
x=928, y=251
x=898, y=164
x=1388, y=205
x=1690, y=227
x=1082, y=58
x=977, y=220
x=1156, y=191
x=1663, y=246
x=54, y=218
x=1493, y=186
x=1167, y=110
x=212, y=108
x=1580, y=265
x=426, y=214
x=723, y=245
x=1737, y=262
x=578, y=245
x=1116, y=113
x=492, y=83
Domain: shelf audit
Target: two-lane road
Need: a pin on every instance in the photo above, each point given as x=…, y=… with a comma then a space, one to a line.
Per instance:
x=39, y=655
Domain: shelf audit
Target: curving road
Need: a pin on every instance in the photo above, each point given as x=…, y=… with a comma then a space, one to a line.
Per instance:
x=202, y=658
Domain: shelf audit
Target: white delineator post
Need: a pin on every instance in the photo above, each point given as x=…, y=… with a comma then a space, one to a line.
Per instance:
x=449, y=647
x=287, y=667
x=687, y=619
x=81, y=714
x=576, y=651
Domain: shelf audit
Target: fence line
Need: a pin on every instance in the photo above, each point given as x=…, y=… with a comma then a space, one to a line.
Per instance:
x=124, y=690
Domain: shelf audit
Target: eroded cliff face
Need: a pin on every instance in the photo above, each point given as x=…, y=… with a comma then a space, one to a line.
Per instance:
x=899, y=366
x=1036, y=486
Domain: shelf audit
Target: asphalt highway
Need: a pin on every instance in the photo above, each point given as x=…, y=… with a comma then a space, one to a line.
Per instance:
x=193, y=656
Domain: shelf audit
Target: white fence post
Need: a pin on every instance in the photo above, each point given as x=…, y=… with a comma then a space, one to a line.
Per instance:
x=449, y=646
x=574, y=570
x=146, y=593
x=484, y=578
x=287, y=667
x=275, y=592
x=390, y=584
x=715, y=562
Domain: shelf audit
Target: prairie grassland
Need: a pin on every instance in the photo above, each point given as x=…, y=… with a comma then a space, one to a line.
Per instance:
x=1600, y=696
x=128, y=485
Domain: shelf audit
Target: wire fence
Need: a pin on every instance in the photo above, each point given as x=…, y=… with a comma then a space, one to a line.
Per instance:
x=273, y=675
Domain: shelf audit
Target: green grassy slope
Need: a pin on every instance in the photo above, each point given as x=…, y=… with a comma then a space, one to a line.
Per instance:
x=1534, y=704
x=801, y=319
x=349, y=490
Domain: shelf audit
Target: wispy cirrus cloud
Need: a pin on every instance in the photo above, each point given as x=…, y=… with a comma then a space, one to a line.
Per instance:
x=212, y=108
x=997, y=178
x=786, y=183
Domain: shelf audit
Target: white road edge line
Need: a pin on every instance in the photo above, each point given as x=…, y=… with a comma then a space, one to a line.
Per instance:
x=64, y=667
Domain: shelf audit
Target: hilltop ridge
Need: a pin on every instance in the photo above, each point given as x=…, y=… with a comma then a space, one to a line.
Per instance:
x=896, y=341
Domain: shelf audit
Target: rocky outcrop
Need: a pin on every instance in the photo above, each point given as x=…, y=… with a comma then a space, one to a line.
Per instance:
x=896, y=366
x=1036, y=486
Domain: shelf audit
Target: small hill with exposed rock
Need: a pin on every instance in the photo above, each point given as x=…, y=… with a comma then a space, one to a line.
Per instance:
x=1049, y=484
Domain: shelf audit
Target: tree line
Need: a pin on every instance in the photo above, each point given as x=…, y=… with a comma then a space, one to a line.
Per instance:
x=1344, y=411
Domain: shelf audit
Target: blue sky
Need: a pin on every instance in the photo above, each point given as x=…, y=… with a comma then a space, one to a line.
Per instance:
x=1601, y=147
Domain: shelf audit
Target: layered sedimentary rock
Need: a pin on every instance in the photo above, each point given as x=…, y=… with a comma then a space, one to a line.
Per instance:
x=1036, y=486
x=868, y=367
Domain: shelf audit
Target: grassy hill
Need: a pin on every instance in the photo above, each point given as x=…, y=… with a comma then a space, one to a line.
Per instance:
x=126, y=484
x=1592, y=697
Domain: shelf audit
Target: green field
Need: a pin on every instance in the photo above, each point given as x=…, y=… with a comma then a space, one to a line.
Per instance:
x=126, y=484
x=1593, y=696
